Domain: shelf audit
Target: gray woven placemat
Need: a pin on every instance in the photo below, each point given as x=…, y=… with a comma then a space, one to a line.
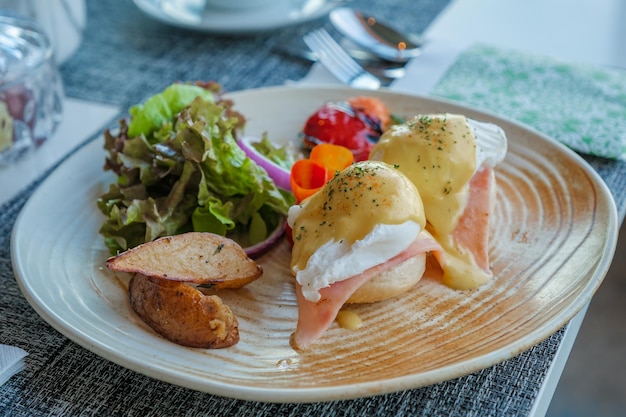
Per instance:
x=126, y=55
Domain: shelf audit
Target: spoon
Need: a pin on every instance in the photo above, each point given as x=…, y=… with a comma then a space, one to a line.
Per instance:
x=374, y=36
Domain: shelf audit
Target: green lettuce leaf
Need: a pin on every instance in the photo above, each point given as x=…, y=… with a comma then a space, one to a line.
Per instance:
x=179, y=168
x=161, y=108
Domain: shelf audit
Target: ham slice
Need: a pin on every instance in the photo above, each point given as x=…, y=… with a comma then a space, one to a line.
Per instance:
x=314, y=318
x=472, y=231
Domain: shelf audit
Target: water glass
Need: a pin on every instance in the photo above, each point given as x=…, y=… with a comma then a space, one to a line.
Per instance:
x=31, y=91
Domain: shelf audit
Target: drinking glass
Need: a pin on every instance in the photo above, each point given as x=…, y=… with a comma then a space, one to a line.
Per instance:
x=31, y=90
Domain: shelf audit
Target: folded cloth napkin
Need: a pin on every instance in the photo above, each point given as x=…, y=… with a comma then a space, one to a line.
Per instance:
x=582, y=106
x=11, y=361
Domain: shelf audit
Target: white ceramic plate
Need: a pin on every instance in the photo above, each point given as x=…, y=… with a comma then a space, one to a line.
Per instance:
x=554, y=235
x=281, y=13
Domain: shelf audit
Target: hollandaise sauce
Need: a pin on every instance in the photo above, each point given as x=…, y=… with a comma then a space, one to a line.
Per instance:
x=461, y=271
x=438, y=153
x=366, y=214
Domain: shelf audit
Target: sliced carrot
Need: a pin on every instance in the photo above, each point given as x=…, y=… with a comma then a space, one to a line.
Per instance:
x=307, y=177
x=333, y=157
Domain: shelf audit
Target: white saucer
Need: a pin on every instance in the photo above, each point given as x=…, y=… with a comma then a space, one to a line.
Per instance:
x=223, y=21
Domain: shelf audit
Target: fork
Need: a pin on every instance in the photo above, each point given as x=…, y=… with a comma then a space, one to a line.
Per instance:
x=338, y=62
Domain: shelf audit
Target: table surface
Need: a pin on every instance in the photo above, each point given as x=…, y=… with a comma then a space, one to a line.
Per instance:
x=126, y=56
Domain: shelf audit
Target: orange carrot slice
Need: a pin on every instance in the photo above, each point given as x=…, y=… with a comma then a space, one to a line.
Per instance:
x=307, y=177
x=333, y=157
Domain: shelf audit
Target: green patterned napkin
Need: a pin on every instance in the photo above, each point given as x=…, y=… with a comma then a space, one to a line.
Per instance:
x=582, y=107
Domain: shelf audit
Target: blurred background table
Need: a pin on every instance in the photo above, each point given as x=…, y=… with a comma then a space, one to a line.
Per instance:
x=125, y=56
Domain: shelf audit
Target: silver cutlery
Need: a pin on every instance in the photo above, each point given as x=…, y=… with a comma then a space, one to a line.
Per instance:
x=376, y=37
x=385, y=70
x=338, y=62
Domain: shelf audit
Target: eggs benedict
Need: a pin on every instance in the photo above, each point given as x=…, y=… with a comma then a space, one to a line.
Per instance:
x=361, y=238
x=450, y=160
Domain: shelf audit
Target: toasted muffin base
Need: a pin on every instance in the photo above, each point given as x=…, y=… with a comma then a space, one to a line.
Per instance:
x=392, y=282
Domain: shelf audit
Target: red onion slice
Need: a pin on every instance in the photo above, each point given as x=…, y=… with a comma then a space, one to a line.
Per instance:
x=258, y=249
x=277, y=173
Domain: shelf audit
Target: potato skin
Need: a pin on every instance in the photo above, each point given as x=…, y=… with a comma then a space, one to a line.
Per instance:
x=198, y=257
x=182, y=314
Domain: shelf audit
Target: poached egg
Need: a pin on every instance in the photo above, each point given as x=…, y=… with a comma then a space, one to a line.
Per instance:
x=367, y=214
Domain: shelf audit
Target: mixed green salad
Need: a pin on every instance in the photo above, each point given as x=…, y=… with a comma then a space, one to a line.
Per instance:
x=179, y=168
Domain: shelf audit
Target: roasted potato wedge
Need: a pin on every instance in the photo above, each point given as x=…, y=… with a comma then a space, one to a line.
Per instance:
x=200, y=258
x=182, y=314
